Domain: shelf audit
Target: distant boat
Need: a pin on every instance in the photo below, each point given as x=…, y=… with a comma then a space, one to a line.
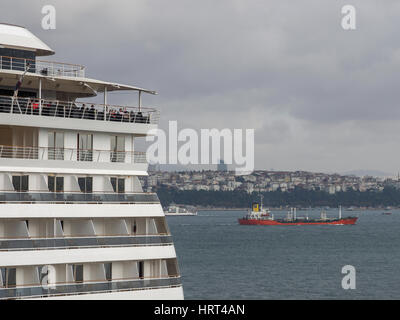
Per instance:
x=386, y=213
x=176, y=210
x=257, y=216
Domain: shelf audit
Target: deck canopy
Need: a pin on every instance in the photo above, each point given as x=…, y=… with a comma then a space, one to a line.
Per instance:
x=76, y=86
x=17, y=37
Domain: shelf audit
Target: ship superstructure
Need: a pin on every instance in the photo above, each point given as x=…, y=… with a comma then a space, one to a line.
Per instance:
x=74, y=220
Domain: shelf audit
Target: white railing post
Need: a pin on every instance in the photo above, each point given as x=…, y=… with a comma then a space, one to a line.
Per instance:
x=40, y=96
x=140, y=101
x=105, y=104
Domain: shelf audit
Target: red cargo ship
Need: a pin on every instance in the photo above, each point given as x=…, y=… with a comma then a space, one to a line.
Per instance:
x=259, y=216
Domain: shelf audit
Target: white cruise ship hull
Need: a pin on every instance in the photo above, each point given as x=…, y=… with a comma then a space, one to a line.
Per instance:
x=75, y=222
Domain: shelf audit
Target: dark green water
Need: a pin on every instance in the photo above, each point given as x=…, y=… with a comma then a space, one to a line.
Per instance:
x=219, y=259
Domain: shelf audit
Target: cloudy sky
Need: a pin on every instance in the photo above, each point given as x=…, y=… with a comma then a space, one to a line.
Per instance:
x=319, y=98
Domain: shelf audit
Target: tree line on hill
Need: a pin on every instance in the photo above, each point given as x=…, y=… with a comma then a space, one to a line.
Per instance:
x=300, y=198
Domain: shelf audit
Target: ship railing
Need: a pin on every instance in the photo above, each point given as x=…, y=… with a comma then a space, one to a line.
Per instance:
x=42, y=67
x=84, y=242
x=70, y=154
x=160, y=234
x=29, y=197
x=78, y=110
x=103, y=286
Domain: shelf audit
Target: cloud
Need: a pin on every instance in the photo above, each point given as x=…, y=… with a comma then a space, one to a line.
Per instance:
x=319, y=97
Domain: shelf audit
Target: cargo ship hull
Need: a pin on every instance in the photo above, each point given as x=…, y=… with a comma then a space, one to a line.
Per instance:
x=269, y=222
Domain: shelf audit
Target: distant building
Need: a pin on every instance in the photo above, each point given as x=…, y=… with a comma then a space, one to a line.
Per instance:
x=222, y=167
x=264, y=181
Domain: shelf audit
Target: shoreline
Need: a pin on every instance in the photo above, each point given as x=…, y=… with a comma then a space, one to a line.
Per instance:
x=288, y=208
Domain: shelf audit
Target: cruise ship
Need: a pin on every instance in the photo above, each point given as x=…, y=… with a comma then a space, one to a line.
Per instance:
x=74, y=220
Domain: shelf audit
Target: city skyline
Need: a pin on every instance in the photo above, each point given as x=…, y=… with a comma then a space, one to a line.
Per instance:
x=265, y=181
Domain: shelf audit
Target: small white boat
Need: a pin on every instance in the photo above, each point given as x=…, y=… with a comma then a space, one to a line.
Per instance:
x=176, y=210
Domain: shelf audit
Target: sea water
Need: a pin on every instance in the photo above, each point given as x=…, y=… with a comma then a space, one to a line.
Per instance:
x=220, y=259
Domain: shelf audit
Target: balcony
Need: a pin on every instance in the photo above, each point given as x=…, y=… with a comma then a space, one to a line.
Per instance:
x=70, y=198
x=89, y=287
x=68, y=154
x=44, y=68
x=84, y=242
x=78, y=110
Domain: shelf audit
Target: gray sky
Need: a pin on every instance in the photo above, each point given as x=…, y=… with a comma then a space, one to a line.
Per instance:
x=319, y=98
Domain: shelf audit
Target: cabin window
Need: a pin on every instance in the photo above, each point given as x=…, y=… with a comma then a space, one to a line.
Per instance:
x=56, y=146
x=141, y=269
x=117, y=149
x=118, y=185
x=21, y=94
x=85, y=147
x=10, y=277
x=56, y=184
x=17, y=59
x=134, y=227
x=86, y=184
x=20, y=183
x=108, y=271
x=78, y=272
